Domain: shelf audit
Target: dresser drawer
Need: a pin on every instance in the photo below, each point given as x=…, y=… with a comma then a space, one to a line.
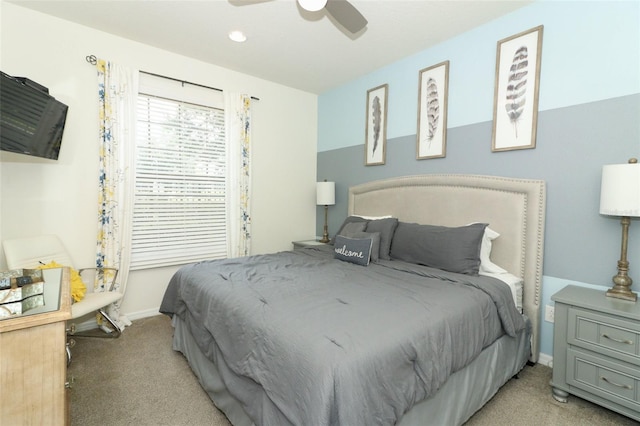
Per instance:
x=604, y=377
x=604, y=334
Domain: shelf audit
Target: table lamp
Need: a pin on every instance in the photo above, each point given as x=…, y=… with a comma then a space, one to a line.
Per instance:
x=620, y=196
x=325, y=196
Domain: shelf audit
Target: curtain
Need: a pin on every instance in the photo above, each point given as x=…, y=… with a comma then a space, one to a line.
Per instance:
x=117, y=92
x=238, y=131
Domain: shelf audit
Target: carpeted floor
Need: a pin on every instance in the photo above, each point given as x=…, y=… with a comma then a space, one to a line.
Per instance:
x=139, y=380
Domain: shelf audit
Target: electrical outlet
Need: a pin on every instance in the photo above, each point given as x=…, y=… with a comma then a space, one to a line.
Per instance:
x=549, y=313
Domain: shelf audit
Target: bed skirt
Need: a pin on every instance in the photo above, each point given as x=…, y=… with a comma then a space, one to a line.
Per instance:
x=464, y=393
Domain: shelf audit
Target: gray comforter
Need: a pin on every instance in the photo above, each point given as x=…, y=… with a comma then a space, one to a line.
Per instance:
x=329, y=342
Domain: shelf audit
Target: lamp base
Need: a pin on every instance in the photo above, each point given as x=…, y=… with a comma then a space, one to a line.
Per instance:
x=622, y=281
x=325, y=231
x=623, y=293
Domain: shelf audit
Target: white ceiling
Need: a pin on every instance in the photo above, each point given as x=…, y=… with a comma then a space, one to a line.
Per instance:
x=285, y=44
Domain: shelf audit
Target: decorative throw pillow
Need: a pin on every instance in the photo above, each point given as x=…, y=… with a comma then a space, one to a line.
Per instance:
x=78, y=287
x=375, y=243
x=354, y=250
x=450, y=249
x=386, y=228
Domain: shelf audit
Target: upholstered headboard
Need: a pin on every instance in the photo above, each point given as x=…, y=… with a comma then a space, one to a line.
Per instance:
x=515, y=208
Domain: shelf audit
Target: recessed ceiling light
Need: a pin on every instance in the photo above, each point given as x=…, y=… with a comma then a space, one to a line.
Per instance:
x=237, y=36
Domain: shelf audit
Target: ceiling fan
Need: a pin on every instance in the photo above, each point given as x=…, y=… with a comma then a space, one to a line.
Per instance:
x=343, y=12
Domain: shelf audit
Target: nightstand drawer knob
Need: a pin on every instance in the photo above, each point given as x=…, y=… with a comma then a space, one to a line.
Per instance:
x=616, y=384
x=626, y=342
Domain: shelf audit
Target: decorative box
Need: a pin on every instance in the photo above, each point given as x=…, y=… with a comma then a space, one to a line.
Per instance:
x=20, y=290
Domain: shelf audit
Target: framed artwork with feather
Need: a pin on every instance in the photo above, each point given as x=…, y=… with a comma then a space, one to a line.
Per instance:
x=376, y=130
x=515, y=111
x=432, y=111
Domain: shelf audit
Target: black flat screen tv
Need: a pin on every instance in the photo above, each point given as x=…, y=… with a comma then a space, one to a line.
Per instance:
x=31, y=121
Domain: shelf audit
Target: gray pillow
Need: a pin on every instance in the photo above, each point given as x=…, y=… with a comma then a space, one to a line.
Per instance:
x=349, y=229
x=450, y=249
x=375, y=243
x=348, y=220
x=354, y=250
x=386, y=228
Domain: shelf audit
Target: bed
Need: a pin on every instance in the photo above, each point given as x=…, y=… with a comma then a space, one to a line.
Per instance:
x=304, y=337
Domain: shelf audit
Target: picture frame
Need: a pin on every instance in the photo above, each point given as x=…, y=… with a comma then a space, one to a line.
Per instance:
x=376, y=127
x=433, y=94
x=515, y=111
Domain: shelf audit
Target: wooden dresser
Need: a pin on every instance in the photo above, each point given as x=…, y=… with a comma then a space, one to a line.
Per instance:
x=33, y=361
x=596, y=349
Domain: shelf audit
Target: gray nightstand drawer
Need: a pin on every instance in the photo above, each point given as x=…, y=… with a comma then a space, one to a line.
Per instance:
x=602, y=377
x=604, y=334
x=596, y=349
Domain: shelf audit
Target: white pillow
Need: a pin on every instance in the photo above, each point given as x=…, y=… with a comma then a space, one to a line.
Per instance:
x=490, y=269
x=486, y=265
x=373, y=217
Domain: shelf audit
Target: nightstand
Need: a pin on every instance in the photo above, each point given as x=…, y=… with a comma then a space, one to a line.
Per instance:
x=306, y=243
x=596, y=349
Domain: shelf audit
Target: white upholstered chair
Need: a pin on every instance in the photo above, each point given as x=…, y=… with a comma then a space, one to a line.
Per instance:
x=32, y=252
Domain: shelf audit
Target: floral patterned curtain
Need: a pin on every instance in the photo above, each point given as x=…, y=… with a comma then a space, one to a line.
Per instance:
x=117, y=92
x=238, y=123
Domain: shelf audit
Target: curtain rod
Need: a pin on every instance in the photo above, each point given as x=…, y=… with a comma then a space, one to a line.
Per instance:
x=93, y=61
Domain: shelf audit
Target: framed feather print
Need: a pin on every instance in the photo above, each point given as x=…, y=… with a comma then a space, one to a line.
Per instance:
x=432, y=111
x=376, y=130
x=515, y=110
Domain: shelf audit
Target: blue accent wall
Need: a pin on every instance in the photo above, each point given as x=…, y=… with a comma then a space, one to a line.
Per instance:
x=589, y=115
x=590, y=52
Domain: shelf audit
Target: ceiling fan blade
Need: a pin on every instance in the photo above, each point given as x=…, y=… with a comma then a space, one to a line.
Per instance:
x=346, y=15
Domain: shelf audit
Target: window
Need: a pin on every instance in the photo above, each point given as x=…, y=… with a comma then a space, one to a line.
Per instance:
x=180, y=175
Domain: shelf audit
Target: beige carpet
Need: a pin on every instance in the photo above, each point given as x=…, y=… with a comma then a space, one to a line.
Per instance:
x=139, y=380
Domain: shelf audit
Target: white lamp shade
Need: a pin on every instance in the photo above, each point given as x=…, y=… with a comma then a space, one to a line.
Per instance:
x=326, y=193
x=620, y=190
x=312, y=5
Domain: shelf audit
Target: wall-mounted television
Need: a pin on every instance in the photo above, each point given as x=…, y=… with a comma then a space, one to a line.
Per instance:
x=31, y=120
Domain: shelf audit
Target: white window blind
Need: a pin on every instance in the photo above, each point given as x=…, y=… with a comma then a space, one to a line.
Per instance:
x=180, y=183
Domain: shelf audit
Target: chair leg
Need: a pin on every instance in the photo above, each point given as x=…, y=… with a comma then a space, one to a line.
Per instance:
x=116, y=330
x=113, y=335
x=68, y=348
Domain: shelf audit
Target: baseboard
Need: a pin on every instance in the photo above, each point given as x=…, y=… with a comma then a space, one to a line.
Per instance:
x=92, y=323
x=142, y=314
x=545, y=359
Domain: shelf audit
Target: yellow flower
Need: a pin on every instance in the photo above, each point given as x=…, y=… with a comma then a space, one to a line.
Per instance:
x=78, y=287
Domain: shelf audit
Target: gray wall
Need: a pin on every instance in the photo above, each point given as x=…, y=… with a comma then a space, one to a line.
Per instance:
x=573, y=144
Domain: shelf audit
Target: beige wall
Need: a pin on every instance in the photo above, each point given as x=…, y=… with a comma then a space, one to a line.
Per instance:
x=44, y=196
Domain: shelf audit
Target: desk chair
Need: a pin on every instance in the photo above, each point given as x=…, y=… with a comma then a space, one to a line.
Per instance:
x=33, y=252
